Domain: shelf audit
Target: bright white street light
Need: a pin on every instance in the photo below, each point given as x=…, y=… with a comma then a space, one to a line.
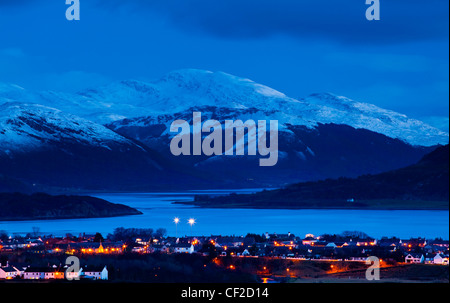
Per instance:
x=191, y=222
x=176, y=221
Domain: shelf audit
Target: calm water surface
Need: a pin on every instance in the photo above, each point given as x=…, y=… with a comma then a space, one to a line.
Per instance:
x=159, y=211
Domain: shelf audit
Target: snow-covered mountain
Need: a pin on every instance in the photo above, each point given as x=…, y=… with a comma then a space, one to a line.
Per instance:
x=121, y=130
x=182, y=90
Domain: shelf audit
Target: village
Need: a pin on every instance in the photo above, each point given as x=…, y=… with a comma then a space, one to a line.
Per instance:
x=351, y=247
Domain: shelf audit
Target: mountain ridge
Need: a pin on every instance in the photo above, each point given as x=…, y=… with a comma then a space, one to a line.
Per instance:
x=180, y=90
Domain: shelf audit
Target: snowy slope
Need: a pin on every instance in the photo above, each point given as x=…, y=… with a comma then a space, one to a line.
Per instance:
x=24, y=127
x=46, y=146
x=341, y=110
x=184, y=90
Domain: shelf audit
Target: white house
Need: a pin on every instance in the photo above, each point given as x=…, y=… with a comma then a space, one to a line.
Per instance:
x=183, y=248
x=73, y=275
x=9, y=272
x=245, y=253
x=414, y=258
x=96, y=273
x=34, y=273
x=139, y=248
x=440, y=259
x=43, y=273
x=429, y=258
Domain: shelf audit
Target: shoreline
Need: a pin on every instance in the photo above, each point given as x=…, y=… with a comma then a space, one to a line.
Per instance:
x=67, y=218
x=369, y=208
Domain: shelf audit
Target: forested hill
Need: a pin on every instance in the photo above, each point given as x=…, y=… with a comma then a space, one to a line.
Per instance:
x=421, y=184
x=15, y=206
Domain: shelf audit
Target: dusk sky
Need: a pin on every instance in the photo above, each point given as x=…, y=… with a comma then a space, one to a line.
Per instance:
x=298, y=47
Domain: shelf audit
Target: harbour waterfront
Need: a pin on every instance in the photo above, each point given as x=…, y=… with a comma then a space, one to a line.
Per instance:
x=159, y=212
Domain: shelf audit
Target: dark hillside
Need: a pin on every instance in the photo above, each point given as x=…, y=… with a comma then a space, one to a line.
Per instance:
x=425, y=181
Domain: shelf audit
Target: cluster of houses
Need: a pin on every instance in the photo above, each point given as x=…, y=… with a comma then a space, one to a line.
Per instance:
x=9, y=272
x=42, y=245
x=420, y=258
x=310, y=247
x=416, y=250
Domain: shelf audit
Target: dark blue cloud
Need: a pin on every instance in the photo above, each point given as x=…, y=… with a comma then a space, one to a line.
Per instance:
x=288, y=45
x=401, y=20
x=13, y=2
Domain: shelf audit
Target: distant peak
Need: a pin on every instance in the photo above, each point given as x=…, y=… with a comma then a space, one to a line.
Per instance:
x=182, y=74
x=136, y=84
x=323, y=95
x=131, y=82
x=191, y=74
x=189, y=71
x=10, y=86
x=330, y=97
x=19, y=107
